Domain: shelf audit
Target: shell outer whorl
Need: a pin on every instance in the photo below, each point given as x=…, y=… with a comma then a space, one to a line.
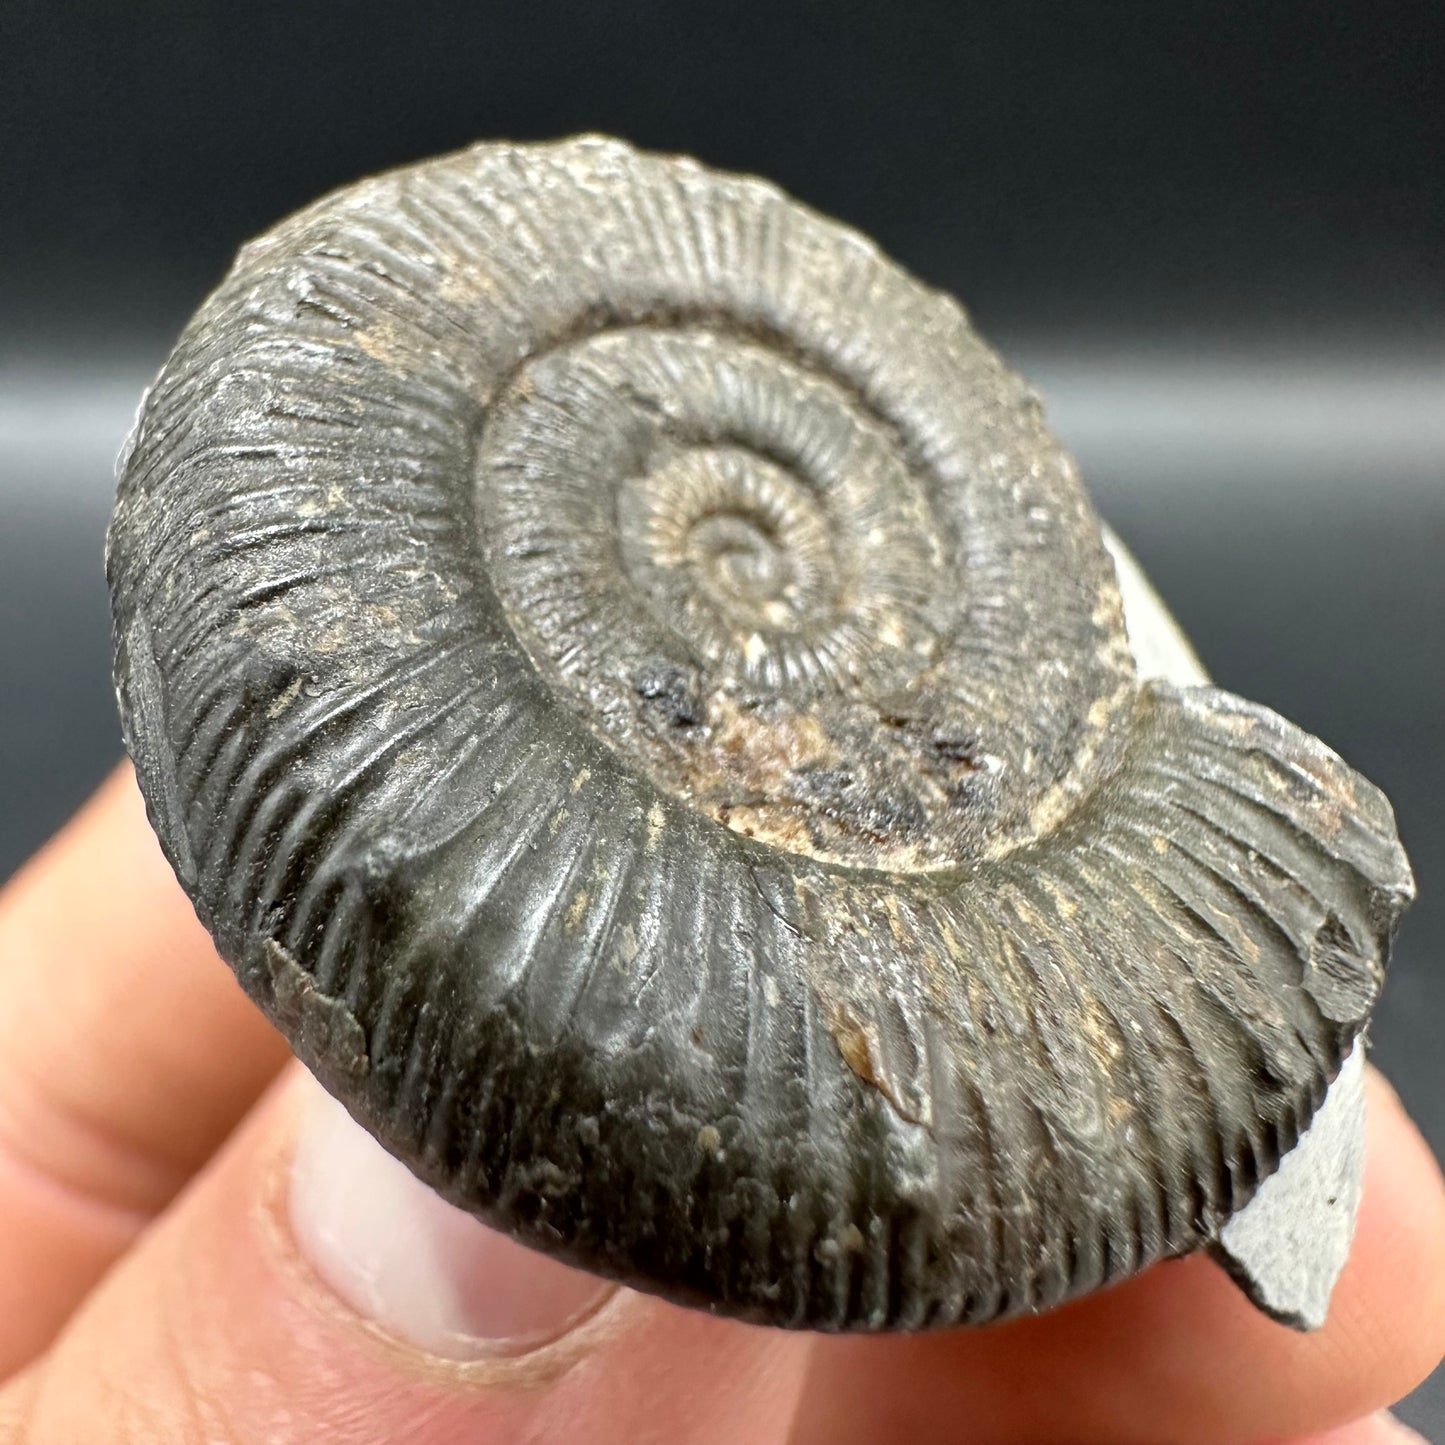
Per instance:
x=636, y=692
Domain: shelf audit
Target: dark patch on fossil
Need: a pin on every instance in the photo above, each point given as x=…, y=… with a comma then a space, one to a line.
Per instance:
x=640, y=698
x=673, y=692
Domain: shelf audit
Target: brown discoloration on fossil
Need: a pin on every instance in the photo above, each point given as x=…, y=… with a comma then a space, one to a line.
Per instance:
x=854, y=1045
x=861, y=1050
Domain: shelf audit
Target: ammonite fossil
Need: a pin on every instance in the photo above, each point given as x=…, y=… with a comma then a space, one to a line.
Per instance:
x=641, y=699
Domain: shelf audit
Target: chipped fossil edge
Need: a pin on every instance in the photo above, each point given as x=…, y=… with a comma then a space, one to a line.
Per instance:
x=1286, y=1248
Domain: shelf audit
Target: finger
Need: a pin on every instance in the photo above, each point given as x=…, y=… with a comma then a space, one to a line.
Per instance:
x=401, y=1320
x=127, y=1053
x=1176, y=1354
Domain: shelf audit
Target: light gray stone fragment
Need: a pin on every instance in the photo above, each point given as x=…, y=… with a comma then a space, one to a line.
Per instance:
x=1287, y=1248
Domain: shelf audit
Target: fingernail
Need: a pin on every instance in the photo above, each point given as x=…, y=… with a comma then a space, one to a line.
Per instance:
x=415, y=1265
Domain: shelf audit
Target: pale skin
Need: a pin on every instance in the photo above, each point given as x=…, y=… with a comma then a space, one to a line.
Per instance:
x=152, y=1289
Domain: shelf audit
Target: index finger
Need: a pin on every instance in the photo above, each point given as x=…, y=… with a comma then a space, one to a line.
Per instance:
x=127, y=1053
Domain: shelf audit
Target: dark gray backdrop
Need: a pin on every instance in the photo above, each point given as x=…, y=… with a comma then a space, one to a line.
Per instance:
x=1214, y=237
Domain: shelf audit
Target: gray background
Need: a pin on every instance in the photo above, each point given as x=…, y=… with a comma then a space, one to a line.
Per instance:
x=1214, y=239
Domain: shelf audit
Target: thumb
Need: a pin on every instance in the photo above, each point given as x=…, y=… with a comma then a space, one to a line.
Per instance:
x=306, y=1288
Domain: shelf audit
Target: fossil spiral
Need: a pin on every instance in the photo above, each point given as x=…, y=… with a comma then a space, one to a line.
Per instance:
x=638, y=695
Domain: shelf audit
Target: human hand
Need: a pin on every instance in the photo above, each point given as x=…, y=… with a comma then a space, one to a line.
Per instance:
x=196, y=1245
